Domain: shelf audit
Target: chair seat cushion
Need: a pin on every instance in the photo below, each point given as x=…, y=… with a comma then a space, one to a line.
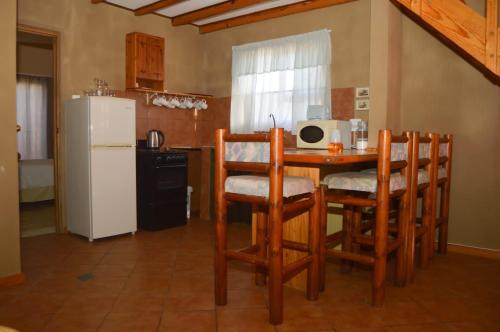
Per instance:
x=362, y=181
x=423, y=176
x=259, y=185
x=442, y=172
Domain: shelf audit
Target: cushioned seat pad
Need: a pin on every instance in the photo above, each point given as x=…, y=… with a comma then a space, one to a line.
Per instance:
x=362, y=181
x=259, y=185
x=423, y=176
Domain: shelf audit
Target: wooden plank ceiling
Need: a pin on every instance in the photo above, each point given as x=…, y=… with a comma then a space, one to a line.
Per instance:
x=213, y=15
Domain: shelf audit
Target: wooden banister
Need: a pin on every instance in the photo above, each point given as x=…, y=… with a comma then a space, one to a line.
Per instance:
x=475, y=34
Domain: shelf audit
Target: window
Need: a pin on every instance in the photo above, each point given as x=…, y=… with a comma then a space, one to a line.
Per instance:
x=279, y=77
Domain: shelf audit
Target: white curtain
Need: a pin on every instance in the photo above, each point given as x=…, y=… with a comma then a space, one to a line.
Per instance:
x=280, y=77
x=32, y=116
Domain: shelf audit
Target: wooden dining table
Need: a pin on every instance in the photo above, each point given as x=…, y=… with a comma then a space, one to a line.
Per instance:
x=315, y=164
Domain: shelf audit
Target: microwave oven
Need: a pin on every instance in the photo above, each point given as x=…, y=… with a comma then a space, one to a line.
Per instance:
x=316, y=134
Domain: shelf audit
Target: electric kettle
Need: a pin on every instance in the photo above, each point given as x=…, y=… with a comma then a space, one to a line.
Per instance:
x=155, y=139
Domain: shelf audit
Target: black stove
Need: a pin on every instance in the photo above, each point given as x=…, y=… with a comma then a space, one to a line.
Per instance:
x=161, y=188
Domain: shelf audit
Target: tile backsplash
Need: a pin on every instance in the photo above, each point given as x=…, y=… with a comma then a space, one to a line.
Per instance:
x=197, y=128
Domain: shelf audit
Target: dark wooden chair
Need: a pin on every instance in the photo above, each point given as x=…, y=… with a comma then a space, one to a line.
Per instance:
x=371, y=189
x=423, y=184
x=276, y=198
x=445, y=149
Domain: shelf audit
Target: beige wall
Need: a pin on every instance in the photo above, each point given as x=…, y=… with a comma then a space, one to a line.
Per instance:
x=34, y=60
x=92, y=43
x=385, y=69
x=9, y=213
x=442, y=92
x=350, y=44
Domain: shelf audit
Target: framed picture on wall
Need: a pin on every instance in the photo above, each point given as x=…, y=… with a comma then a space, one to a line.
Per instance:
x=363, y=92
x=362, y=105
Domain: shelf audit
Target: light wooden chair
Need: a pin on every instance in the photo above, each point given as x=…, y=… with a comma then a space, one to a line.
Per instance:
x=423, y=184
x=277, y=198
x=356, y=190
x=445, y=152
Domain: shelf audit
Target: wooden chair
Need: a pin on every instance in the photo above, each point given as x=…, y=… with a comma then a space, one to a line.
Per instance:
x=445, y=149
x=423, y=184
x=356, y=190
x=277, y=198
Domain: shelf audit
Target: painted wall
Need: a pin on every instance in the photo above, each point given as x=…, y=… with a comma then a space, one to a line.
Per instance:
x=442, y=92
x=34, y=60
x=350, y=44
x=10, y=262
x=92, y=43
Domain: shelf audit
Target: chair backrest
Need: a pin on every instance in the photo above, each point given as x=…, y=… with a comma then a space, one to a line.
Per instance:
x=394, y=155
x=424, y=156
x=445, y=151
x=256, y=153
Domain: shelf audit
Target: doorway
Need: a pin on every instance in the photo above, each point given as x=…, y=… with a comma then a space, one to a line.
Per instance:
x=37, y=113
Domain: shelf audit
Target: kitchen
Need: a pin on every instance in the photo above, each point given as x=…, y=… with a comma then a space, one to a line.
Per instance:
x=92, y=45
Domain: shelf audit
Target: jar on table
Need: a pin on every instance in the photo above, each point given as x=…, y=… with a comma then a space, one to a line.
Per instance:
x=362, y=135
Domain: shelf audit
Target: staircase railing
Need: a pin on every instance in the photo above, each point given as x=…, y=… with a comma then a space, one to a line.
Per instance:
x=475, y=34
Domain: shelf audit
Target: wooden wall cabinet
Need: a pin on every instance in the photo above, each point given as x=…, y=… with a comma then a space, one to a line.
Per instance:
x=145, y=54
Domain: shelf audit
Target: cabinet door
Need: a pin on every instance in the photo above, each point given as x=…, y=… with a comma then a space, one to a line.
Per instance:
x=156, y=53
x=142, y=60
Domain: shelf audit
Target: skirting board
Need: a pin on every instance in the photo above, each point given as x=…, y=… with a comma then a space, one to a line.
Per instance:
x=12, y=280
x=474, y=251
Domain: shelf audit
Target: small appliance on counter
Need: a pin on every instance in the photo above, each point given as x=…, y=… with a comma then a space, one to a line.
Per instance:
x=161, y=188
x=316, y=134
x=155, y=139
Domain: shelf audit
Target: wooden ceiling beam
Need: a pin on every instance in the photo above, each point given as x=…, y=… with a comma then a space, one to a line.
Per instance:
x=155, y=6
x=213, y=11
x=97, y=1
x=270, y=13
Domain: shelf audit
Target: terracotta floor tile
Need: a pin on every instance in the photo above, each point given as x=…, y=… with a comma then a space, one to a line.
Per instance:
x=188, y=321
x=30, y=322
x=134, y=303
x=33, y=303
x=246, y=298
x=437, y=327
x=353, y=316
x=131, y=322
x=88, y=303
x=192, y=281
x=74, y=322
x=395, y=313
x=304, y=318
x=112, y=270
x=164, y=280
x=189, y=301
x=84, y=258
x=475, y=326
x=146, y=283
x=243, y=320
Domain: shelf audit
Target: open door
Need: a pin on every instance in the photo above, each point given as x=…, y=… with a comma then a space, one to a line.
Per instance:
x=38, y=118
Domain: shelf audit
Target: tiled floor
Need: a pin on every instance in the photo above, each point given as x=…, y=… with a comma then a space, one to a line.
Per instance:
x=163, y=281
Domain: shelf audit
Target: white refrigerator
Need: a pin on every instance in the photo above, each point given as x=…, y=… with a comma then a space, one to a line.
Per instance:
x=100, y=192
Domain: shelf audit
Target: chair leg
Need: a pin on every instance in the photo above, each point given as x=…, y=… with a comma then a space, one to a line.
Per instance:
x=410, y=248
x=356, y=228
x=313, y=269
x=402, y=234
x=443, y=228
x=380, y=264
x=427, y=238
x=275, y=268
x=322, y=238
x=220, y=256
x=260, y=273
x=346, y=266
